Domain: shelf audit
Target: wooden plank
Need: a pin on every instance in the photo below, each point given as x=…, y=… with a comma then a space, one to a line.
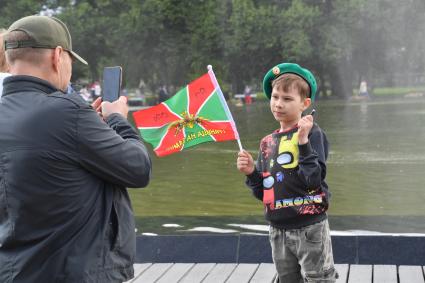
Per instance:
x=220, y=273
x=138, y=269
x=177, y=271
x=242, y=273
x=197, y=273
x=385, y=274
x=342, y=270
x=154, y=272
x=265, y=273
x=360, y=273
x=410, y=274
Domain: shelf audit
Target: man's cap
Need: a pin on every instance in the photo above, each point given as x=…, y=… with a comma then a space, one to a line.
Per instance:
x=45, y=32
x=291, y=68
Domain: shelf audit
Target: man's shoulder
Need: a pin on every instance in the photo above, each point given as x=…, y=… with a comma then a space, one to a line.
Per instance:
x=72, y=99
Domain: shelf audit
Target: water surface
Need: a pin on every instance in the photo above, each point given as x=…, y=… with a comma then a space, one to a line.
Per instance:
x=375, y=172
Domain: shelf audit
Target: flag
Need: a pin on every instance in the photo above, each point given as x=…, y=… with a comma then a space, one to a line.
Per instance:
x=196, y=114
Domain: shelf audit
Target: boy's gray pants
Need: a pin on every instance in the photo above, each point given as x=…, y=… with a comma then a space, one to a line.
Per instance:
x=303, y=255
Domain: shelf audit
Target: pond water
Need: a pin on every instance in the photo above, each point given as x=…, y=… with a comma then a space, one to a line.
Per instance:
x=375, y=173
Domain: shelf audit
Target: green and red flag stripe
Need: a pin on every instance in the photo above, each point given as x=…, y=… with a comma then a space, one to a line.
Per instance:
x=196, y=114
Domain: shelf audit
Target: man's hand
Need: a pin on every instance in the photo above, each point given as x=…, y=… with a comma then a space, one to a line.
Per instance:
x=304, y=127
x=97, y=105
x=245, y=162
x=118, y=106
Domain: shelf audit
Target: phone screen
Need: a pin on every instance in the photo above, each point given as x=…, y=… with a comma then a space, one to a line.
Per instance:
x=111, y=83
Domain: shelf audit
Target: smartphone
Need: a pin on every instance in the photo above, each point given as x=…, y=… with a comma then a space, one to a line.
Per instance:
x=111, y=88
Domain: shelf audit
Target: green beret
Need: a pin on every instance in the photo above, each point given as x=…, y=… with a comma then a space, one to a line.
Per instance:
x=292, y=68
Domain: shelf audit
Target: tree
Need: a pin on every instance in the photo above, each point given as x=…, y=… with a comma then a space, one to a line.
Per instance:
x=251, y=44
x=12, y=10
x=93, y=26
x=171, y=42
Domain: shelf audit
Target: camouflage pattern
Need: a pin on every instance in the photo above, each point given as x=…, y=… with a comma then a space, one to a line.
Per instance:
x=303, y=255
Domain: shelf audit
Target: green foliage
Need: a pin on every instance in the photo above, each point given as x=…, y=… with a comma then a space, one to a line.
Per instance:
x=93, y=25
x=397, y=91
x=251, y=44
x=171, y=42
x=295, y=24
x=11, y=10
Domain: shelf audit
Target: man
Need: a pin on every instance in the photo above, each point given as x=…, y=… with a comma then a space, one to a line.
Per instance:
x=65, y=214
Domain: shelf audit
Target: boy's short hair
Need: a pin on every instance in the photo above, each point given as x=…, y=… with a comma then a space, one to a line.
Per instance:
x=287, y=81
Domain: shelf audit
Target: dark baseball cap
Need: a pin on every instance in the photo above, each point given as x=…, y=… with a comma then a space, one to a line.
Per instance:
x=45, y=32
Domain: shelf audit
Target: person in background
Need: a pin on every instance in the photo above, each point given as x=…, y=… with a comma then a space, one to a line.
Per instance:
x=4, y=68
x=65, y=167
x=363, y=92
x=163, y=94
x=247, y=95
x=97, y=90
x=85, y=94
x=289, y=178
x=141, y=92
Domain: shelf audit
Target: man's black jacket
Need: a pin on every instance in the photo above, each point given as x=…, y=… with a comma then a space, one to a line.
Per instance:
x=65, y=214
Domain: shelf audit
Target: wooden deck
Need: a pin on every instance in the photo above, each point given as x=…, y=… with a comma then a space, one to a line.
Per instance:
x=264, y=273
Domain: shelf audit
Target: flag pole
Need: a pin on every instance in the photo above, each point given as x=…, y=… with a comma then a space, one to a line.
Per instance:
x=226, y=107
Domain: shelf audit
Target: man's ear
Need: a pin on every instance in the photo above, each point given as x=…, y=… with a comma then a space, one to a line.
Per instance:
x=56, y=58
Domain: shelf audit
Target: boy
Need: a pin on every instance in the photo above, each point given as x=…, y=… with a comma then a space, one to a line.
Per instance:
x=289, y=177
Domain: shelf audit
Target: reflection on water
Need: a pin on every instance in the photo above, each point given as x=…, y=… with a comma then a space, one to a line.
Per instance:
x=376, y=166
x=375, y=172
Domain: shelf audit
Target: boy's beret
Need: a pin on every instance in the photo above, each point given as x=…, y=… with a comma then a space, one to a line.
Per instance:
x=292, y=68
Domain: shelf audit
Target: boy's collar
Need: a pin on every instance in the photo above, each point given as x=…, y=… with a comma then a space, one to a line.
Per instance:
x=280, y=131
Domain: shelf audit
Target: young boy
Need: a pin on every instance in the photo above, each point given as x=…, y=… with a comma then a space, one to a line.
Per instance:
x=289, y=177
